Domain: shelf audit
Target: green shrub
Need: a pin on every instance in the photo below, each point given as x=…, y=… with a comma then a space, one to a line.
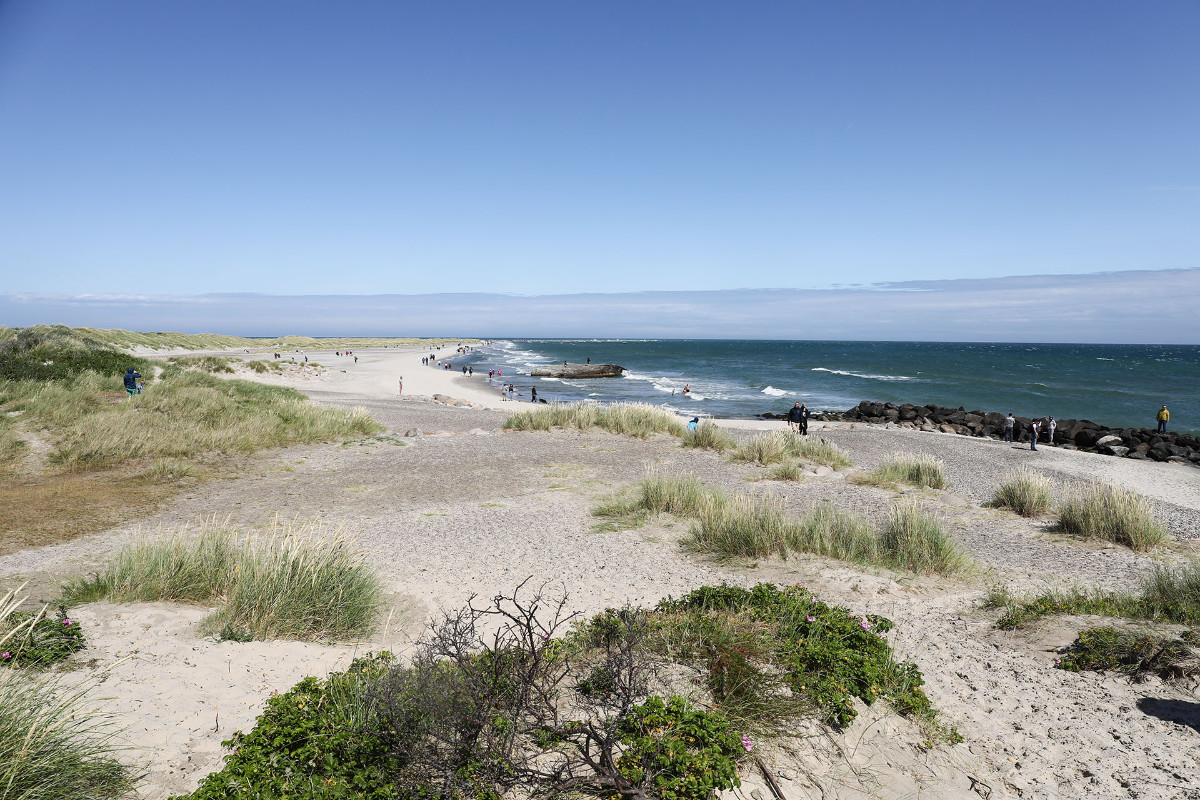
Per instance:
x=801, y=651
x=708, y=436
x=1112, y=513
x=910, y=538
x=678, y=752
x=1025, y=491
x=53, y=746
x=314, y=741
x=33, y=639
x=1134, y=653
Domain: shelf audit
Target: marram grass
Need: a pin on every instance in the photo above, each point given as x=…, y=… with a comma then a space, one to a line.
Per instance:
x=53, y=746
x=1112, y=513
x=295, y=582
x=708, y=436
x=1025, y=491
x=755, y=526
x=780, y=446
x=640, y=420
x=916, y=470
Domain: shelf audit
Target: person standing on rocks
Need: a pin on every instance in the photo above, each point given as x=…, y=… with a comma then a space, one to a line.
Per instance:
x=794, y=417
x=1164, y=416
x=1033, y=434
x=1009, y=422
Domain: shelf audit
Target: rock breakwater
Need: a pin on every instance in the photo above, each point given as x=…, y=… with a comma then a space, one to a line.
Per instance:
x=1072, y=434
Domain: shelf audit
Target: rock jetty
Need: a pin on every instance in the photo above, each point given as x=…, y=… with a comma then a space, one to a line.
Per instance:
x=1071, y=434
x=579, y=371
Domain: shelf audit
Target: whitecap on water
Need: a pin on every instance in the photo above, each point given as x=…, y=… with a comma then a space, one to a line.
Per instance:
x=771, y=390
x=861, y=375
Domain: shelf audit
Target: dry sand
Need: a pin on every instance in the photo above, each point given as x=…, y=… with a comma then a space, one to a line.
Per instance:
x=460, y=508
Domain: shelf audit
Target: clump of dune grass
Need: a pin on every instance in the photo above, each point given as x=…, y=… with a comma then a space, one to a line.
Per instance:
x=766, y=448
x=1112, y=513
x=916, y=470
x=295, y=582
x=829, y=531
x=52, y=745
x=743, y=526
x=820, y=451
x=176, y=566
x=682, y=496
x=640, y=420
x=1166, y=594
x=205, y=363
x=791, y=471
x=1025, y=491
x=912, y=539
x=191, y=413
x=709, y=436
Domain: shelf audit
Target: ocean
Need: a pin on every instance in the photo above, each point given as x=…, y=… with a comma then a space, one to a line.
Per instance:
x=1113, y=385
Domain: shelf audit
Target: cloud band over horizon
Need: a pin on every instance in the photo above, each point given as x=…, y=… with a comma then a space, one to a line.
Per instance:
x=1152, y=306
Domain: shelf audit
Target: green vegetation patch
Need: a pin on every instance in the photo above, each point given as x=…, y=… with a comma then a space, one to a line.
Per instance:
x=772, y=654
x=1112, y=513
x=708, y=436
x=292, y=584
x=1167, y=594
x=916, y=470
x=757, y=526
x=1025, y=491
x=640, y=420
x=517, y=698
x=53, y=745
x=1137, y=654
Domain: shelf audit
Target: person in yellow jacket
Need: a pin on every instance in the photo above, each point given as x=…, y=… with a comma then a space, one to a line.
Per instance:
x=1163, y=417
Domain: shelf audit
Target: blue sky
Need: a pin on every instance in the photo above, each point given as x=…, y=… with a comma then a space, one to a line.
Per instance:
x=362, y=148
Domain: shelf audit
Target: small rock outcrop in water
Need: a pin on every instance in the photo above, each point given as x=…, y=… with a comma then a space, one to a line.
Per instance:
x=1071, y=434
x=579, y=371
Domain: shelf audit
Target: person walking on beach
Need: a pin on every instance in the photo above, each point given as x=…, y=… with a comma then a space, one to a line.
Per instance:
x=804, y=419
x=533, y=394
x=131, y=378
x=1050, y=426
x=1033, y=435
x=1163, y=418
x=1009, y=422
x=401, y=384
x=794, y=416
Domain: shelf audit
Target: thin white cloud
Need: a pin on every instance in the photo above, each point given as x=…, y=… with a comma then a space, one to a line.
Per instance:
x=1135, y=306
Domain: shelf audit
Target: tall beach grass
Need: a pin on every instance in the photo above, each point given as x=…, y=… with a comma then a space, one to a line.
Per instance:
x=1112, y=513
x=911, y=468
x=708, y=436
x=757, y=526
x=780, y=446
x=294, y=582
x=53, y=745
x=1025, y=491
x=640, y=420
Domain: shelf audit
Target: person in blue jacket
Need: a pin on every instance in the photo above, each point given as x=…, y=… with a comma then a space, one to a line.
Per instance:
x=131, y=379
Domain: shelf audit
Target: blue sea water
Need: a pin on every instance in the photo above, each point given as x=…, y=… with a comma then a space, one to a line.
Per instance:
x=1114, y=385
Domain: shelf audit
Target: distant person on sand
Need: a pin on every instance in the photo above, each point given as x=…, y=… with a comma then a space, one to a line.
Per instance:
x=1163, y=418
x=1033, y=436
x=794, y=415
x=131, y=378
x=804, y=419
x=401, y=384
x=1009, y=422
x=694, y=424
x=533, y=394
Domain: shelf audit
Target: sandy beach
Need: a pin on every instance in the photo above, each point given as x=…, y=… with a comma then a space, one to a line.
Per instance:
x=448, y=505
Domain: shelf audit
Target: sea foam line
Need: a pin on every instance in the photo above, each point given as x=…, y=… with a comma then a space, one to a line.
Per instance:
x=860, y=375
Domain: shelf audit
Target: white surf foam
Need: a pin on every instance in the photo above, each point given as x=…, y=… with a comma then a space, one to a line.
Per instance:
x=771, y=390
x=860, y=375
